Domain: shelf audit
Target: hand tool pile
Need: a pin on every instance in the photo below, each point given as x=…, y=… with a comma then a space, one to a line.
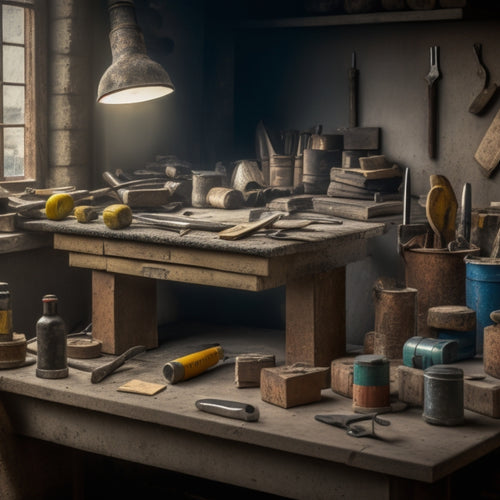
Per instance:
x=448, y=225
x=159, y=197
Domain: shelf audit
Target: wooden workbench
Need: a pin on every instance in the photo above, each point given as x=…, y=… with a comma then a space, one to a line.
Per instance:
x=287, y=452
x=125, y=264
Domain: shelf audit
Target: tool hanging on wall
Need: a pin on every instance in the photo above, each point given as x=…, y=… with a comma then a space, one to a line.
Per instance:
x=488, y=90
x=353, y=92
x=432, y=103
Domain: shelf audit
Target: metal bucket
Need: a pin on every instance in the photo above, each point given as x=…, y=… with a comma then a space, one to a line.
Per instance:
x=439, y=277
x=482, y=292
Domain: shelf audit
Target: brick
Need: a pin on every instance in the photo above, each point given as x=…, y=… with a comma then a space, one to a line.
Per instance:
x=293, y=385
x=248, y=367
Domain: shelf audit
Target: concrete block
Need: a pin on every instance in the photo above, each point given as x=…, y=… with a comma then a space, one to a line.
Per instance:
x=293, y=385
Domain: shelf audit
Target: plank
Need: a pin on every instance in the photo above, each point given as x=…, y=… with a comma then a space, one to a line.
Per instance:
x=356, y=209
x=488, y=151
x=96, y=262
x=244, y=264
x=83, y=244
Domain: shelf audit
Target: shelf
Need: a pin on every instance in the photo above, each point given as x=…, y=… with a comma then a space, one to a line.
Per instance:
x=353, y=19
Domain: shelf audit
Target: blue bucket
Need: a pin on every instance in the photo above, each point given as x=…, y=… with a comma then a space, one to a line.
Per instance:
x=482, y=292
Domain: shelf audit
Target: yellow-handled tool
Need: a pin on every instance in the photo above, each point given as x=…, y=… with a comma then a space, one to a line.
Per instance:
x=441, y=210
x=193, y=364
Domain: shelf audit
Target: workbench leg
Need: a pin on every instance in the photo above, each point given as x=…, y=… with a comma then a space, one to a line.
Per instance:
x=315, y=318
x=123, y=311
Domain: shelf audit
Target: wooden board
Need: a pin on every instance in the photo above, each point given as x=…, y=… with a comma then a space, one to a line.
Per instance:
x=356, y=209
x=173, y=272
x=488, y=152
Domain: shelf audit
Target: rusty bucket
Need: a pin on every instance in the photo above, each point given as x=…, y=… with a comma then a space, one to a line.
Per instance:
x=439, y=277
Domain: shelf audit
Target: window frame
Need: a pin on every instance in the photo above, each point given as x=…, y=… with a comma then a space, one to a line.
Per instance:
x=35, y=119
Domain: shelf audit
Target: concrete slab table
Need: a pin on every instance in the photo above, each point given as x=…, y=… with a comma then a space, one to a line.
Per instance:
x=125, y=264
x=287, y=452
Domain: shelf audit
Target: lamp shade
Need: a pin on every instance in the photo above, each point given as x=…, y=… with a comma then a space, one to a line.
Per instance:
x=132, y=76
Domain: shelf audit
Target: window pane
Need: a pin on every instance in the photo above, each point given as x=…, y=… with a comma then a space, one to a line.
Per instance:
x=13, y=104
x=13, y=152
x=13, y=24
x=13, y=64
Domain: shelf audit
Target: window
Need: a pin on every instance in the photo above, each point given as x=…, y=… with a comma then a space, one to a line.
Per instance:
x=20, y=93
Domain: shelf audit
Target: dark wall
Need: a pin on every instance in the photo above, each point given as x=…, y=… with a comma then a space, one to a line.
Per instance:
x=297, y=77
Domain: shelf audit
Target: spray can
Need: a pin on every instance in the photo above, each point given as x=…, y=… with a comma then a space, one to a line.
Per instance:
x=5, y=314
x=51, y=341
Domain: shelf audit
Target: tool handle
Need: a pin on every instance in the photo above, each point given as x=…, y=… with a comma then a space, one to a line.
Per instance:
x=103, y=371
x=230, y=409
x=466, y=211
x=432, y=119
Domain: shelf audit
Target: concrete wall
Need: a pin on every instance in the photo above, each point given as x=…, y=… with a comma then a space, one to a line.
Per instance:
x=294, y=78
x=297, y=77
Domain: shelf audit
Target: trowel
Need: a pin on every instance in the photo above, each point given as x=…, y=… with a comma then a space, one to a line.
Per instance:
x=488, y=91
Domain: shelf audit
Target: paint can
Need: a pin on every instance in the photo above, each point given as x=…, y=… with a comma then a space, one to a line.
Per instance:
x=423, y=352
x=371, y=384
x=443, y=395
x=52, y=359
x=439, y=277
x=482, y=288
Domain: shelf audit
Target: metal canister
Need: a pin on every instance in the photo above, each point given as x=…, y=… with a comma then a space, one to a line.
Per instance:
x=6, y=327
x=443, y=395
x=423, y=352
x=52, y=359
x=371, y=383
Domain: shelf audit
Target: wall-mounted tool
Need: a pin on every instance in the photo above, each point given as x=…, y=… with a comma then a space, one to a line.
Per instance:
x=432, y=101
x=488, y=90
x=353, y=92
x=230, y=409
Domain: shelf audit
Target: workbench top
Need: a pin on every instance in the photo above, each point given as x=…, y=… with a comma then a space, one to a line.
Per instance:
x=408, y=448
x=321, y=235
